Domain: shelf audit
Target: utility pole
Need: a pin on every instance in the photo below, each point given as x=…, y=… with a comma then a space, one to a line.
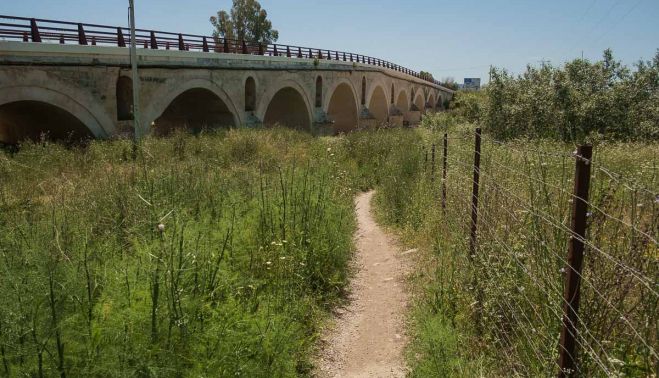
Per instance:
x=137, y=129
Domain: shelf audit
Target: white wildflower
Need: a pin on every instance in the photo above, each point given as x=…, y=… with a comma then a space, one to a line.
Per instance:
x=161, y=227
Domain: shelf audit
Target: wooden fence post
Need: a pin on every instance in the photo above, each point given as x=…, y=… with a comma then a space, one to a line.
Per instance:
x=568, y=346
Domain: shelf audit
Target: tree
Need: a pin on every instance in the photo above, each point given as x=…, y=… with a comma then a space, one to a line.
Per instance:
x=426, y=75
x=246, y=21
x=449, y=82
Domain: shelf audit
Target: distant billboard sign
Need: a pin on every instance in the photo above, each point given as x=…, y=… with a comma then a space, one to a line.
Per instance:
x=472, y=83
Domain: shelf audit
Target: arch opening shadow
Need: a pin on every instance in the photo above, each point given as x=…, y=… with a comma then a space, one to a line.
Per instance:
x=342, y=109
x=319, y=92
x=378, y=105
x=124, y=94
x=418, y=102
x=196, y=110
x=287, y=108
x=250, y=94
x=36, y=120
x=431, y=102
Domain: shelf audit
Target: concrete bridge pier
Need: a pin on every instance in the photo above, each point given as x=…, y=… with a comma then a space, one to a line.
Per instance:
x=367, y=120
x=396, y=117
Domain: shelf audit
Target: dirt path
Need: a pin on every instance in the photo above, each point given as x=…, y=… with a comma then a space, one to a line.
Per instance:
x=369, y=336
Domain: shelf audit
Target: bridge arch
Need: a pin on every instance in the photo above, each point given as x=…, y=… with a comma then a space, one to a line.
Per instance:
x=431, y=100
x=419, y=100
x=342, y=106
x=378, y=104
x=402, y=101
x=196, y=109
x=36, y=110
x=440, y=101
x=209, y=92
x=288, y=104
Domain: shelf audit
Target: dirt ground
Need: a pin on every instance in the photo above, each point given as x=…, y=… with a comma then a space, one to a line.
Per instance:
x=369, y=337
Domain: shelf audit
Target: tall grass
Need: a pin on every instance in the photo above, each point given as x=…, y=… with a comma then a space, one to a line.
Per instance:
x=498, y=312
x=219, y=254
x=213, y=255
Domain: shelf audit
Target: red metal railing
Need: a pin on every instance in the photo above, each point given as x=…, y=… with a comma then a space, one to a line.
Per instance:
x=51, y=31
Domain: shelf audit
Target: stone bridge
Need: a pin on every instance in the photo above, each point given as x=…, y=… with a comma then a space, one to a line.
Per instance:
x=86, y=90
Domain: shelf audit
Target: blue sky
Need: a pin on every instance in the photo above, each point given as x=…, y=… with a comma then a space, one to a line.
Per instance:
x=458, y=38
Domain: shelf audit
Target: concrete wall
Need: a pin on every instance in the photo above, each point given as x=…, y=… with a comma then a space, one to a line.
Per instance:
x=82, y=80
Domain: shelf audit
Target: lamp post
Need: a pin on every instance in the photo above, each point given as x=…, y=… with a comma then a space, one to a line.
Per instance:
x=137, y=129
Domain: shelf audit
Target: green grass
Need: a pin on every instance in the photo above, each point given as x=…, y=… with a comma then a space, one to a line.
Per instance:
x=257, y=236
x=514, y=280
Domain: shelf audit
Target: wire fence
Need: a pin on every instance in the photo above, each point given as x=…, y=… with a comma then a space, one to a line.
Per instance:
x=561, y=273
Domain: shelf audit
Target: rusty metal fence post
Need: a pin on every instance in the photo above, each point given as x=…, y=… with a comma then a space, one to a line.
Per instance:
x=444, y=163
x=478, y=313
x=568, y=345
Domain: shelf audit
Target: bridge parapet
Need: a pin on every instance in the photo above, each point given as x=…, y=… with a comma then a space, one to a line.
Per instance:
x=35, y=30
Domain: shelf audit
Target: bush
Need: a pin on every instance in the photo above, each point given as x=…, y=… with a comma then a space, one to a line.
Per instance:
x=576, y=101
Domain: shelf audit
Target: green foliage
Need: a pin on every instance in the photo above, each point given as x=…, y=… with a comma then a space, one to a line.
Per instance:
x=219, y=254
x=575, y=102
x=495, y=313
x=468, y=106
x=247, y=21
x=212, y=255
x=426, y=76
x=450, y=83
